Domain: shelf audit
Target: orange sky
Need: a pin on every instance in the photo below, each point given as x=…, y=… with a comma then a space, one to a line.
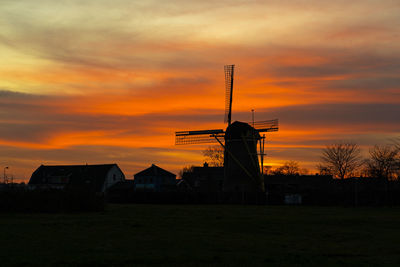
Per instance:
x=102, y=82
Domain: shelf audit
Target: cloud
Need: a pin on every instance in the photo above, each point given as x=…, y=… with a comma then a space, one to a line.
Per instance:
x=113, y=81
x=36, y=120
x=128, y=35
x=7, y=94
x=368, y=117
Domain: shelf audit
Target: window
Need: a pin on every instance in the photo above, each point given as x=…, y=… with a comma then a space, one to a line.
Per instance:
x=114, y=177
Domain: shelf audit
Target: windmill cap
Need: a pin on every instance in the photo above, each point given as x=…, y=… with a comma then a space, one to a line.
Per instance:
x=239, y=129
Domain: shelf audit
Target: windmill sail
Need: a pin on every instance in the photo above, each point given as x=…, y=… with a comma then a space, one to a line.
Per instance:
x=266, y=126
x=229, y=70
x=198, y=137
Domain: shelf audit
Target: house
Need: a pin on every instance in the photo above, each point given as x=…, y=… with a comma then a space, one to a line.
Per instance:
x=93, y=177
x=155, y=179
x=205, y=179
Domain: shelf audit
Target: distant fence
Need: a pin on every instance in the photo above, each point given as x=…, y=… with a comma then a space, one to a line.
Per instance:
x=15, y=200
x=321, y=198
x=350, y=192
x=345, y=198
x=188, y=198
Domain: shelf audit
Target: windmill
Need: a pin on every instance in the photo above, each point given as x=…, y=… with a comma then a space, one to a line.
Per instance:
x=242, y=169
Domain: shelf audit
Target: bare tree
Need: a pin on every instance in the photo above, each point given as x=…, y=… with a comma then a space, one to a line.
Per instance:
x=288, y=168
x=186, y=169
x=324, y=169
x=342, y=159
x=396, y=143
x=304, y=171
x=214, y=156
x=383, y=162
x=268, y=170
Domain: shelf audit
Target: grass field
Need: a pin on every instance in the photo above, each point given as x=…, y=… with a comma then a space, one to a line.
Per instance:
x=204, y=235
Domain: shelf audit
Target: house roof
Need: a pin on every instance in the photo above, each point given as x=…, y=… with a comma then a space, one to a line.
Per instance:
x=77, y=174
x=154, y=170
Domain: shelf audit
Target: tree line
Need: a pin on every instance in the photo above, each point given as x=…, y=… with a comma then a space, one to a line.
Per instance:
x=344, y=160
x=341, y=160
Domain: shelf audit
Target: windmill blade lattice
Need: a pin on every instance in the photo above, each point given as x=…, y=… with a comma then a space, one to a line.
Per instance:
x=229, y=71
x=266, y=126
x=198, y=137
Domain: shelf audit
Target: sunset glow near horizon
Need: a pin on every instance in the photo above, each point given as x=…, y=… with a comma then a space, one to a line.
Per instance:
x=111, y=81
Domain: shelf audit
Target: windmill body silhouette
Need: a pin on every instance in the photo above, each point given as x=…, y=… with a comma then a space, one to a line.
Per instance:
x=243, y=145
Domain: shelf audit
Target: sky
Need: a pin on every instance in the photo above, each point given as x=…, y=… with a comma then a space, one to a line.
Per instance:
x=101, y=81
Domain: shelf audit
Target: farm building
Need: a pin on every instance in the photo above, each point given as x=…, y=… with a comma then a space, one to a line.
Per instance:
x=155, y=179
x=93, y=177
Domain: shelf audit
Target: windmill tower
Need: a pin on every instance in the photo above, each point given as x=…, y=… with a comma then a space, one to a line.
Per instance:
x=242, y=169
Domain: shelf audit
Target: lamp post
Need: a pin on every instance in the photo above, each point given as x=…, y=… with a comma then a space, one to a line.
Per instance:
x=4, y=175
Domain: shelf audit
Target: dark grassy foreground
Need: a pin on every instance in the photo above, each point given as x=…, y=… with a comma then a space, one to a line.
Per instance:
x=204, y=235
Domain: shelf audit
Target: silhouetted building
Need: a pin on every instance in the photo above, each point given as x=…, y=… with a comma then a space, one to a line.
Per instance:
x=97, y=178
x=296, y=189
x=204, y=179
x=293, y=184
x=155, y=179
